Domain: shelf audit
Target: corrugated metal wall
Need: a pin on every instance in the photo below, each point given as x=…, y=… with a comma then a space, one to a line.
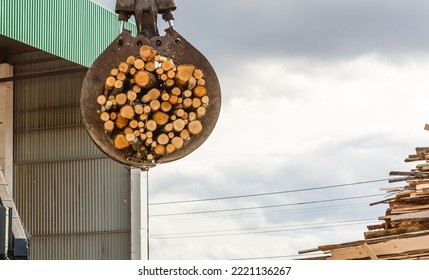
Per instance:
x=73, y=199
x=76, y=30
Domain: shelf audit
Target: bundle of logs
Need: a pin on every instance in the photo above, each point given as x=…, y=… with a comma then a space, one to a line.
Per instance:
x=152, y=106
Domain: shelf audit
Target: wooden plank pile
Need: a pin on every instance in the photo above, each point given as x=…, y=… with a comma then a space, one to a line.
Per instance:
x=152, y=106
x=404, y=231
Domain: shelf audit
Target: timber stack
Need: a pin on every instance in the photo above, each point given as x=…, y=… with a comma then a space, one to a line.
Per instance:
x=404, y=230
x=152, y=106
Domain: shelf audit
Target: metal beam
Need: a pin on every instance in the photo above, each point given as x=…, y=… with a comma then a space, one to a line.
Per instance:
x=44, y=74
x=139, y=215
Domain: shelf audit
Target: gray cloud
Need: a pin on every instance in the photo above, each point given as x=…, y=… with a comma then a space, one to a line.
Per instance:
x=332, y=28
x=242, y=30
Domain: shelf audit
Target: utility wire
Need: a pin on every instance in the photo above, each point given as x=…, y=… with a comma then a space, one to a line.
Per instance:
x=266, y=206
x=290, y=211
x=270, y=193
x=260, y=232
x=261, y=228
x=280, y=257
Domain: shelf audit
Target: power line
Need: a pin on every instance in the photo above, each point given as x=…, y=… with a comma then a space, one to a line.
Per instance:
x=266, y=206
x=279, y=257
x=269, y=193
x=261, y=228
x=260, y=232
x=290, y=211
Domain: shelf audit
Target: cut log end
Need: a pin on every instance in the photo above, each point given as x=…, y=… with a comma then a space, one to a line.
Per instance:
x=121, y=142
x=195, y=127
x=147, y=53
x=144, y=79
x=127, y=112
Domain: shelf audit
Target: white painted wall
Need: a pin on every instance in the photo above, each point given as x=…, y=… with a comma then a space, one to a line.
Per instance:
x=6, y=124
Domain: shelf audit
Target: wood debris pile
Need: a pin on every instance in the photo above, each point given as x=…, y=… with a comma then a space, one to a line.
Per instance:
x=404, y=231
x=151, y=106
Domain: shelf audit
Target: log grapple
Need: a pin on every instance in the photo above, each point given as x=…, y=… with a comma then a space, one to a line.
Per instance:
x=170, y=45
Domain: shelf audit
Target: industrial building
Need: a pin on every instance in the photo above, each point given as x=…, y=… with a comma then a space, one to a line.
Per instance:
x=73, y=201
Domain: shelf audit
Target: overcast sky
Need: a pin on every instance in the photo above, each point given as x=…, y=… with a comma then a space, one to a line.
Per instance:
x=315, y=93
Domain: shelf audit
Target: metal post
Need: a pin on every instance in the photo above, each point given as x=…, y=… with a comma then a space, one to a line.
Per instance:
x=139, y=214
x=4, y=232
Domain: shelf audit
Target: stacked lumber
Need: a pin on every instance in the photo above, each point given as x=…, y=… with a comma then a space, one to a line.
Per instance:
x=404, y=230
x=151, y=106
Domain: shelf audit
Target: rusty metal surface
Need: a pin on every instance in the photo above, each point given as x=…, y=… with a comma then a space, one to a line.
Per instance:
x=171, y=45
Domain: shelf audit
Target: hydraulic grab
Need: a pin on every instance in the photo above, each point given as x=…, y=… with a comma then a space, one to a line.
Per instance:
x=188, y=107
